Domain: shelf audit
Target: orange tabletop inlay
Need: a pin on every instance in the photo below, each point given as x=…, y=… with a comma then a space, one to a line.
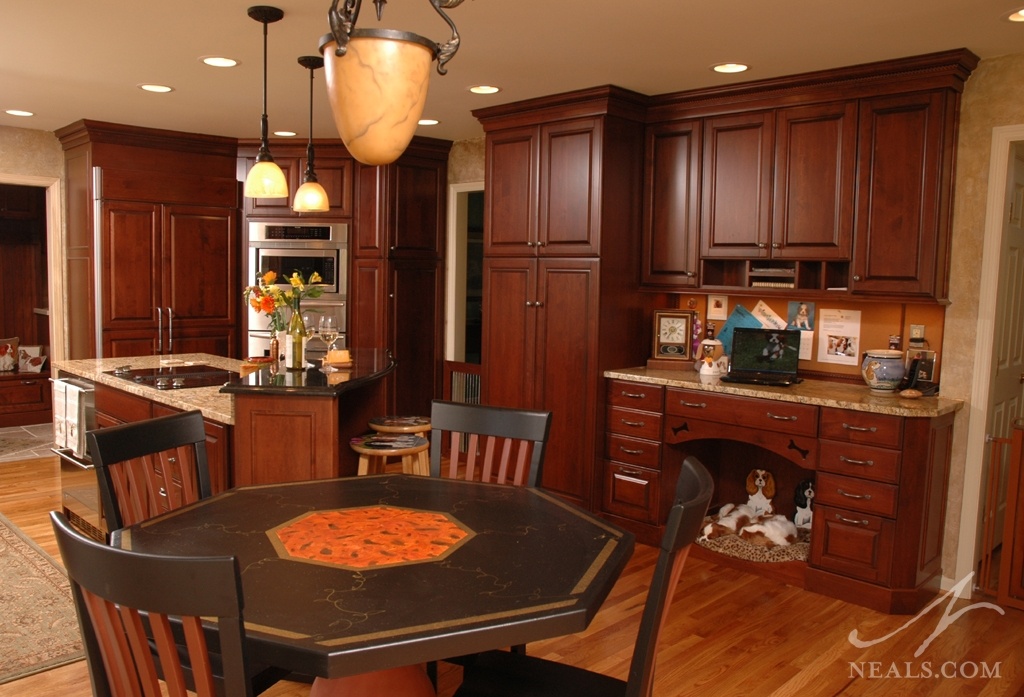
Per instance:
x=373, y=536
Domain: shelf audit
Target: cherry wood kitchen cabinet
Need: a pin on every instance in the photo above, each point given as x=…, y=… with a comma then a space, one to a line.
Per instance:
x=396, y=293
x=561, y=230
x=904, y=194
x=152, y=224
x=671, y=229
x=25, y=398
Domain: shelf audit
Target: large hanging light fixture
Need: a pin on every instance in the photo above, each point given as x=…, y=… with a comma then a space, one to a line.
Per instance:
x=265, y=179
x=377, y=79
x=310, y=197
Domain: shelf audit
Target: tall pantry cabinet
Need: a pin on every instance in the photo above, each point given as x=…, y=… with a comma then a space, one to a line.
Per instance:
x=153, y=247
x=563, y=187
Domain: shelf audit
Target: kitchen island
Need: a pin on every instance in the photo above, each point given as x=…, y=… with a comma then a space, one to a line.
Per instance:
x=262, y=427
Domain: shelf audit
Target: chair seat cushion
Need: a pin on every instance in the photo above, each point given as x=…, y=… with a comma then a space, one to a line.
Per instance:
x=504, y=673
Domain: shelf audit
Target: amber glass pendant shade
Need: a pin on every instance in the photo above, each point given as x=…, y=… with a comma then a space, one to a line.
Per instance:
x=311, y=198
x=266, y=180
x=377, y=90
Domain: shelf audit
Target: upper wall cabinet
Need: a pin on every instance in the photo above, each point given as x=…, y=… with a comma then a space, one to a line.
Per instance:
x=553, y=168
x=839, y=181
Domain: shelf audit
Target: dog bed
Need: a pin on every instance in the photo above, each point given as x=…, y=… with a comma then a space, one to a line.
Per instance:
x=736, y=546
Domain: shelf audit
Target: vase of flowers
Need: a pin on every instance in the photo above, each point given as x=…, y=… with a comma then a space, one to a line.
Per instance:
x=267, y=297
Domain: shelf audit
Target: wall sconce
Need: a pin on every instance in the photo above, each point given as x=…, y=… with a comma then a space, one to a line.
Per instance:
x=310, y=197
x=265, y=179
x=377, y=80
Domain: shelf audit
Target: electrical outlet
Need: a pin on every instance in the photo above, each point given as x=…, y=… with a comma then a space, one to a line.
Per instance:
x=916, y=331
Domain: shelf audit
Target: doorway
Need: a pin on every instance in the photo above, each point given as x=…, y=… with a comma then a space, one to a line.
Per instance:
x=464, y=311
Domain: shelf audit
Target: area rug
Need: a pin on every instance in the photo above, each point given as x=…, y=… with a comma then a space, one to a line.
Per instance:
x=38, y=627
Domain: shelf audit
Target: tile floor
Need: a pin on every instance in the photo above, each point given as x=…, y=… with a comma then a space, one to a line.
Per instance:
x=25, y=442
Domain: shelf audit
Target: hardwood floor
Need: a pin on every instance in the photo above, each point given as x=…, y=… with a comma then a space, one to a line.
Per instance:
x=730, y=633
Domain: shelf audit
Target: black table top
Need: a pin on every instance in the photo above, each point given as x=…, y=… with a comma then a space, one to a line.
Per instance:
x=350, y=575
x=368, y=365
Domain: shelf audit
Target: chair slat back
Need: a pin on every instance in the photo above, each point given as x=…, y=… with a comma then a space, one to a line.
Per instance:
x=149, y=467
x=685, y=519
x=113, y=587
x=488, y=444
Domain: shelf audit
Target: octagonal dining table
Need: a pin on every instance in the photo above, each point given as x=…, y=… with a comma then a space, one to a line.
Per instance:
x=345, y=576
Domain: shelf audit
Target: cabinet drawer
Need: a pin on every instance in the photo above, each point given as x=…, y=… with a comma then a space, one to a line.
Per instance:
x=636, y=424
x=631, y=492
x=770, y=415
x=633, y=451
x=852, y=544
x=19, y=394
x=853, y=494
x=635, y=395
x=864, y=461
x=862, y=427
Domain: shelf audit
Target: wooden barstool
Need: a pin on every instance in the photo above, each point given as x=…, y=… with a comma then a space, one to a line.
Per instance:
x=419, y=425
x=375, y=448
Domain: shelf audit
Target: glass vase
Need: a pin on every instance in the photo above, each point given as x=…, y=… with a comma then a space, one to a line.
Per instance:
x=295, y=344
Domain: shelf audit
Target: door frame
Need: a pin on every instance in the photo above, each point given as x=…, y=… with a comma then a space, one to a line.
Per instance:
x=55, y=256
x=455, y=266
x=1003, y=139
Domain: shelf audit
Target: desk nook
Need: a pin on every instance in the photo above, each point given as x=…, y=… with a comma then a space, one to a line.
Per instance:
x=879, y=464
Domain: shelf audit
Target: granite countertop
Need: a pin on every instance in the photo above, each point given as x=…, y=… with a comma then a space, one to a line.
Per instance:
x=823, y=393
x=215, y=405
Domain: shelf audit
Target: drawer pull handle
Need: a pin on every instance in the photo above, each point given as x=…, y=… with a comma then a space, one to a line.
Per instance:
x=851, y=461
x=628, y=451
x=848, y=427
x=163, y=492
x=633, y=395
x=695, y=405
x=635, y=424
x=865, y=497
x=851, y=521
x=624, y=475
x=777, y=417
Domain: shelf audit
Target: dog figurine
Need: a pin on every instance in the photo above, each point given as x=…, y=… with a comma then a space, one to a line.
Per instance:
x=803, y=497
x=729, y=521
x=770, y=531
x=761, y=490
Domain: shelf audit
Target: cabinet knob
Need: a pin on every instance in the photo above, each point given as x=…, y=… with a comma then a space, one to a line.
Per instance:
x=529, y=304
x=761, y=245
x=529, y=244
x=776, y=245
x=856, y=278
x=690, y=274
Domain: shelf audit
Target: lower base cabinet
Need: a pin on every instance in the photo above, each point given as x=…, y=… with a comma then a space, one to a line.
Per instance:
x=880, y=482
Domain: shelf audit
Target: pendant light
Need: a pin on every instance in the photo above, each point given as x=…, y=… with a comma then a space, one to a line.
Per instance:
x=265, y=179
x=377, y=80
x=310, y=197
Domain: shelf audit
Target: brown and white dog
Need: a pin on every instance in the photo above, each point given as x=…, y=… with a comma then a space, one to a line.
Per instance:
x=761, y=488
x=770, y=531
x=729, y=521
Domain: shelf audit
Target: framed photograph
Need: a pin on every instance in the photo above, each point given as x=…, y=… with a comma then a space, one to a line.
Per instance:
x=673, y=334
x=718, y=307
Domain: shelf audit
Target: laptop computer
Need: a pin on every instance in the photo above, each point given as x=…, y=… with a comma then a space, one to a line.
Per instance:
x=764, y=356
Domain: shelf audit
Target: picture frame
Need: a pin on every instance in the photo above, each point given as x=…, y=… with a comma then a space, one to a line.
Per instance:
x=672, y=335
x=718, y=307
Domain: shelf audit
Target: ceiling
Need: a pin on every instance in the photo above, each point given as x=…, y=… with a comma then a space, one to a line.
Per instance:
x=67, y=61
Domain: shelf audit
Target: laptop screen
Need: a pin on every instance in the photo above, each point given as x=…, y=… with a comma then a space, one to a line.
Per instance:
x=765, y=351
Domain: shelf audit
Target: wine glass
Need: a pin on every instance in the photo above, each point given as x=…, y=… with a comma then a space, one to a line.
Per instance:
x=328, y=330
x=309, y=319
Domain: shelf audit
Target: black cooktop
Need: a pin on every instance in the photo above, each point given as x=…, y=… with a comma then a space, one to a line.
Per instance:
x=175, y=377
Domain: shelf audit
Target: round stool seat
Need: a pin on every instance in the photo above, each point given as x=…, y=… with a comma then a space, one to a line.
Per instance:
x=401, y=424
x=375, y=448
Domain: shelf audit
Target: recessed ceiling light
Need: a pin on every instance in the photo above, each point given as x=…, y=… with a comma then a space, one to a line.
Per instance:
x=729, y=67
x=19, y=112
x=428, y=122
x=219, y=61
x=156, y=88
x=484, y=89
x=1017, y=16
x=285, y=134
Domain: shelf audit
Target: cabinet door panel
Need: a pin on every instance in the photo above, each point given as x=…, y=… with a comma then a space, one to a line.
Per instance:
x=671, y=231
x=335, y=175
x=815, y=168
x=415, y=339
x=416, y=207
x=737, y=185
x=569, y=205
x=509, y=331
x=510, y=216
x=897, y=241
x=566, y=355
x=131, y=264
x=199, y=247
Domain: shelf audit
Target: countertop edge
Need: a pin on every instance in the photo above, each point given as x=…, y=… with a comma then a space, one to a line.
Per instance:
x=814, y=392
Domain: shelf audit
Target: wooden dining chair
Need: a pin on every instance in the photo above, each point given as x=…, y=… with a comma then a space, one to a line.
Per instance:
x=505, y=673
x=148, y=467
x=132, y=608
x=489, y=444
